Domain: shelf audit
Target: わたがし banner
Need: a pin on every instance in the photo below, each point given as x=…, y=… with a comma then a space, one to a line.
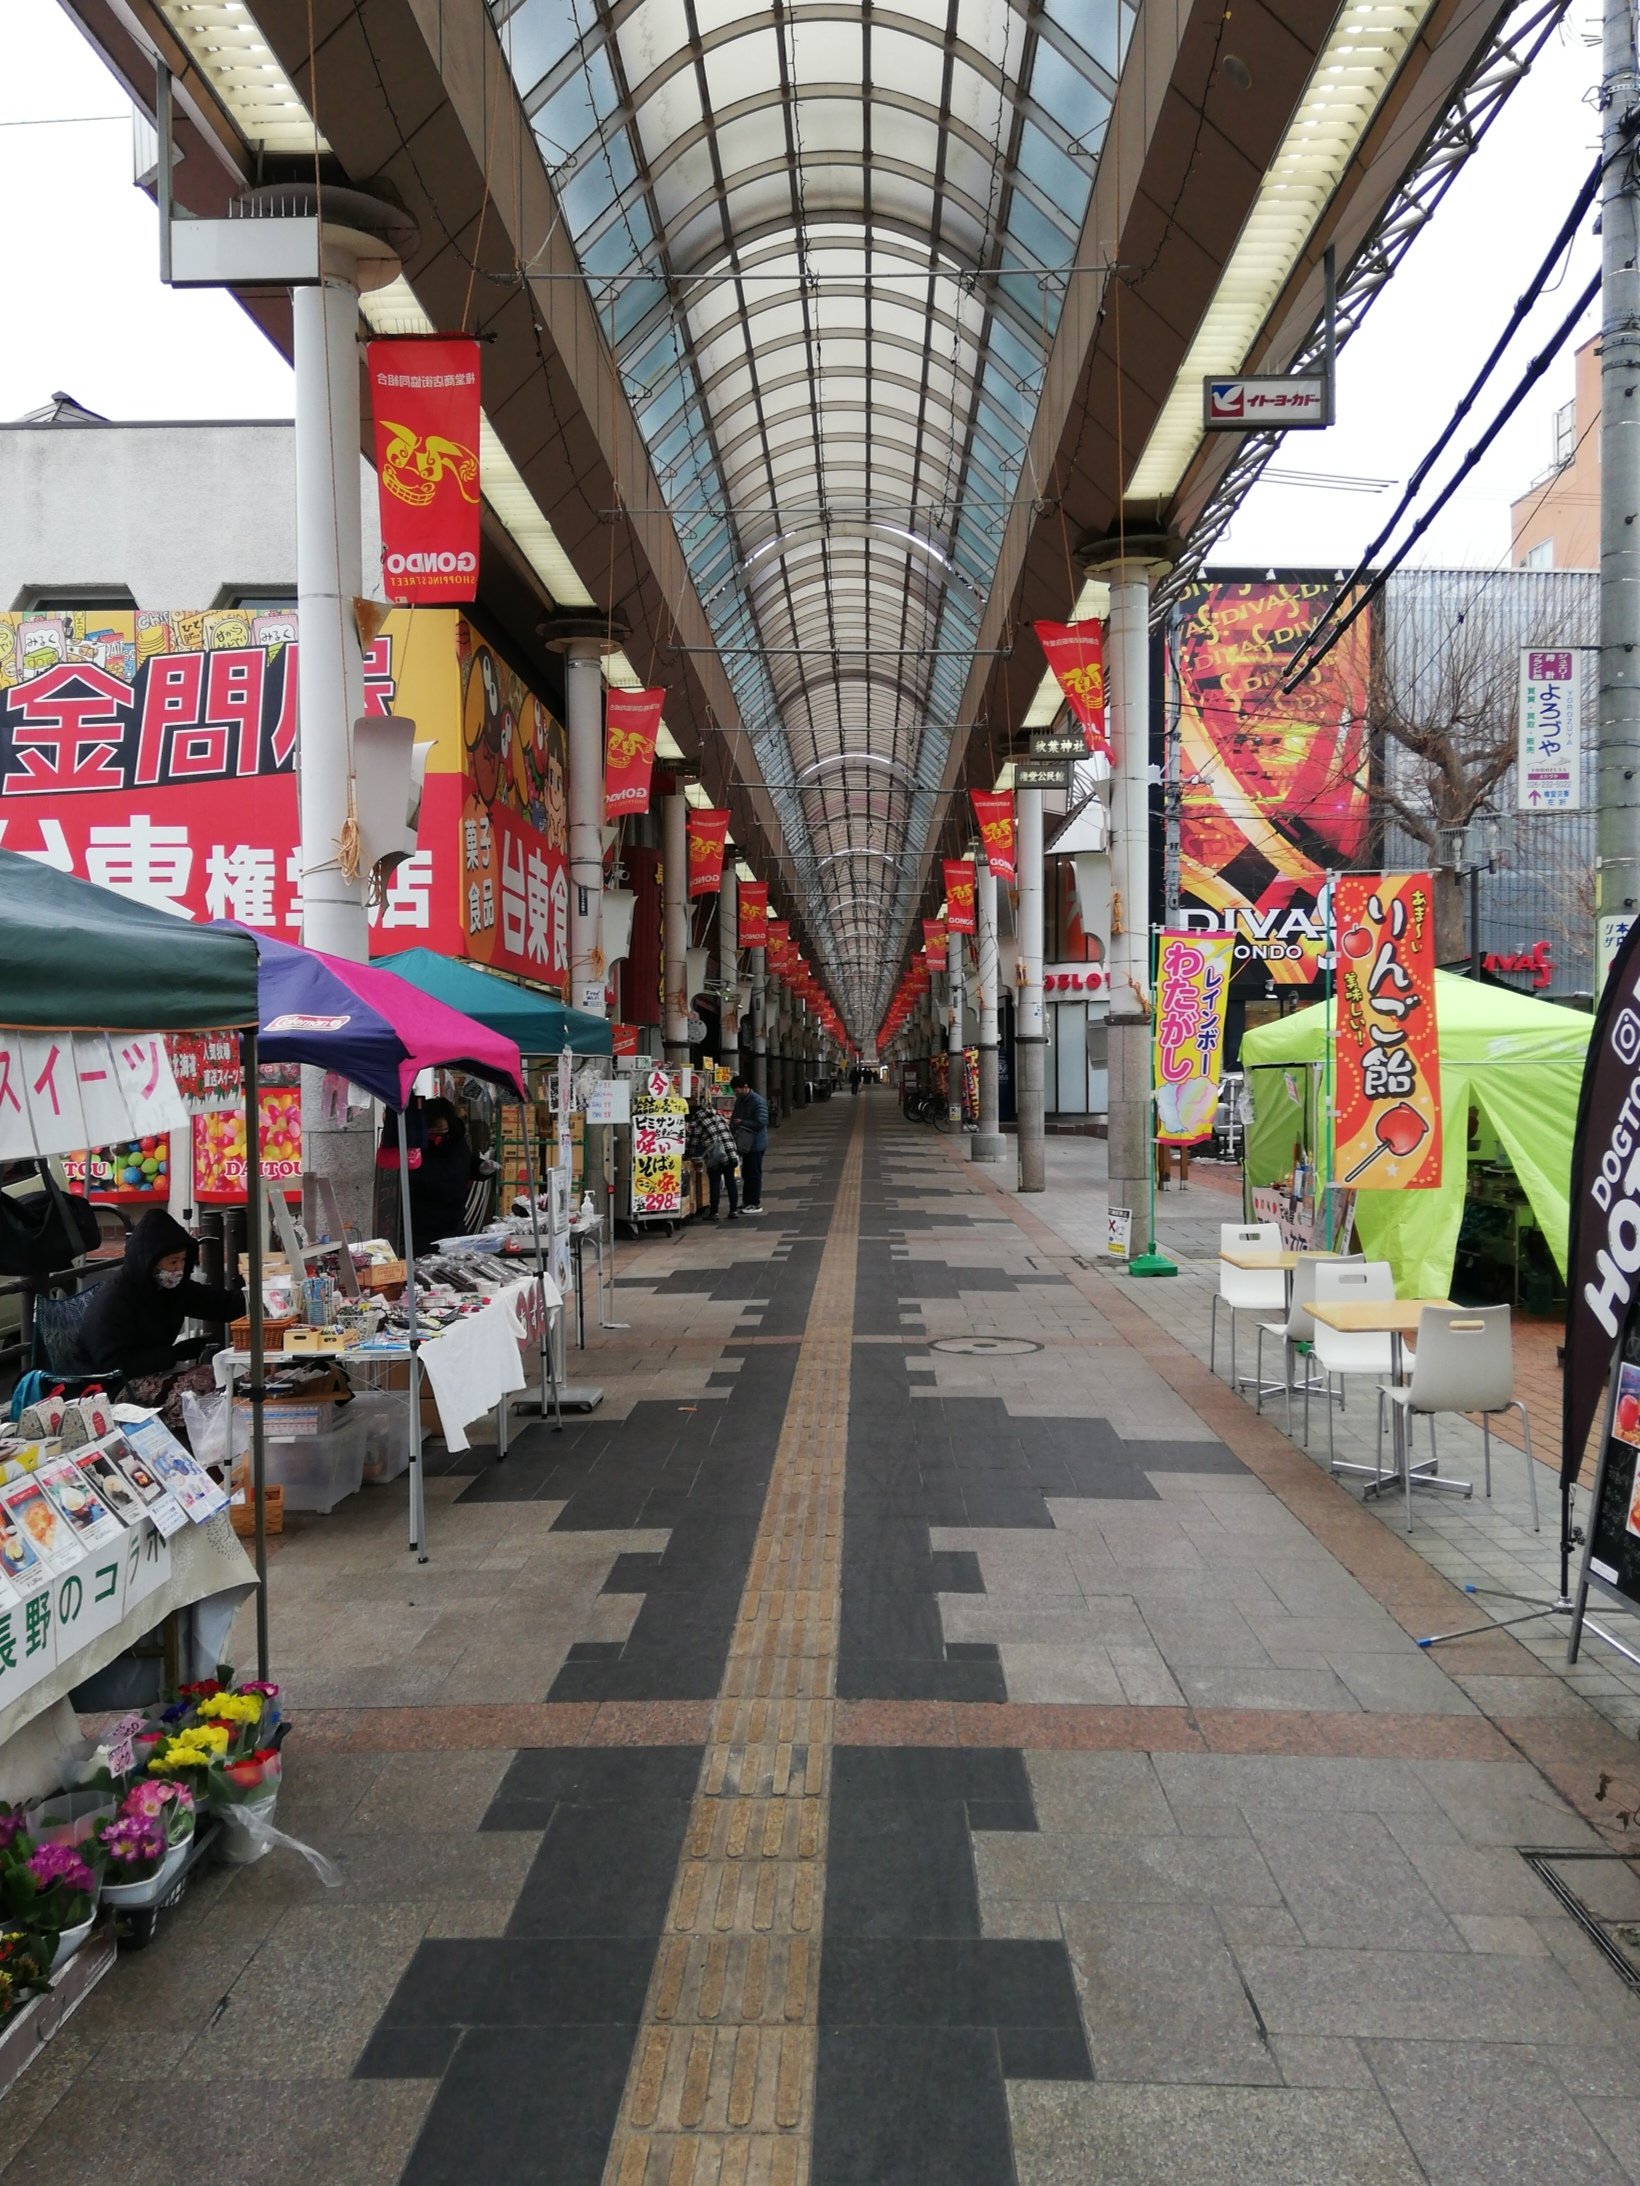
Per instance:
x=708, y=831
x=1075, y=651
x=424, y=399
x=994, y=816
x=959, y=896
x=632, y=721
x=1192, y=981
x=1388, y=1096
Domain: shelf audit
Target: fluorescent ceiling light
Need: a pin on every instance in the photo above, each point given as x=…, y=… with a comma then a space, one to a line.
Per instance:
x=237, y=64
x=1346, y=88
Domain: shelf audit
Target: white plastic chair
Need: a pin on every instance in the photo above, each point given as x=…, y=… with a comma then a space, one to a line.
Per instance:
x=1466, y=1363
x=1339, y=1354
x=1297, y=1328
x=1245, y=1290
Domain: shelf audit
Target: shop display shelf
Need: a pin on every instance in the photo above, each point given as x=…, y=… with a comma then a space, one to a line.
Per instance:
x=28, y=2031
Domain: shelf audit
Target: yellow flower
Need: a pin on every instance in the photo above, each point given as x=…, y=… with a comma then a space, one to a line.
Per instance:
x=232, y=1708
x=195, y=1748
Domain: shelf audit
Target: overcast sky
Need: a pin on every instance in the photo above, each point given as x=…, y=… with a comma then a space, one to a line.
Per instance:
x=88, y=314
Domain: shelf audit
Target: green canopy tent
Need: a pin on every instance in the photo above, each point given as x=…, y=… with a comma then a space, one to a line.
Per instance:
x=75, y=957
x=1516, y=1061
x=536, y=1023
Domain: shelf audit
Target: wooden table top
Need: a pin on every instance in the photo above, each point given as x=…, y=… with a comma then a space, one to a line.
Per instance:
x=1376, y=1317
x=1264, y=1259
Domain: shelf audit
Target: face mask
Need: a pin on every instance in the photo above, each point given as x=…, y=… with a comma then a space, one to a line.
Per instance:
x=168, y=1278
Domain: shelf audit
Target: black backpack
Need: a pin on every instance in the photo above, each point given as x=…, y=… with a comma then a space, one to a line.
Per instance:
x=42, y=1232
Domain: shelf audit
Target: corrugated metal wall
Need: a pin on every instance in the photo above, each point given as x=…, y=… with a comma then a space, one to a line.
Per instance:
x=1543, y=890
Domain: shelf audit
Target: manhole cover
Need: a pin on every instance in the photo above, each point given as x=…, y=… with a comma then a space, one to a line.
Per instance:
x=1009, y=1346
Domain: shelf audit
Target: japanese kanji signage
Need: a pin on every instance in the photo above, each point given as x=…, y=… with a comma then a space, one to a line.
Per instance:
x=63, y=1091
x=959, y=896
x=1549, y=775
x=994, y=816
x=514, y=823
x=1192, y=982
x=1274, y=405
x=424, y=399
x=708, y=831
x=1075, y=651
x=658, y=1125
x=632, y=721
x=754, y=914
x=1388, y=1094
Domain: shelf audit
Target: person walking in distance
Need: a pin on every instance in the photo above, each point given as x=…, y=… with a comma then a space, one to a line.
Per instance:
x=708, y=1141
x=749, y=1120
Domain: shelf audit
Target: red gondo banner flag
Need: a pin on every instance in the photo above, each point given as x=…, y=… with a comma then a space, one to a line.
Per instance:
x=632, y=721
x=424, y=400
x=754, y=914
x=1075, y=651
x=959, y=896
x=994, y=813
x=934, y=943
x=708, y=831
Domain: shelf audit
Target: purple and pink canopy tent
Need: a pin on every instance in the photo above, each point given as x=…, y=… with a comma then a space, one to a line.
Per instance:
x=380, y=1033
x=368, y=1025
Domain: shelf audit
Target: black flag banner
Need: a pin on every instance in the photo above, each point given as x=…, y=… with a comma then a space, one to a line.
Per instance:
x=1603, y=1250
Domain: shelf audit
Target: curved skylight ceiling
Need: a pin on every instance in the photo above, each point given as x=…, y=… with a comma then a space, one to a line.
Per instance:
x=829, y=246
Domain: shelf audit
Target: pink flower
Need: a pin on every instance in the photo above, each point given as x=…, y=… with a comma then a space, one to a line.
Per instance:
x=149, y=1799
x=59, y=1865
x=134, y=1842
x=255, y=1685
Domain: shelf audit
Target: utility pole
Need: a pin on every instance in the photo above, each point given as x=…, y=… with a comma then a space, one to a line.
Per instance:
x=1617, y=878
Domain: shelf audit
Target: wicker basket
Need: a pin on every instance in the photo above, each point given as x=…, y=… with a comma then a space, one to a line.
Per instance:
x=273, y=1334
x=243, y=1515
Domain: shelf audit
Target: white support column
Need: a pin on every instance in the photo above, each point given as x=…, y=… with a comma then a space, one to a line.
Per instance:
x=953, y=1033
x=729, y=970
x=1132, y=1125
x=585, y=640
x=760, y=1021
x=675, y=932
x=988, y=1144
x=329, y=578
x=1030, y=1021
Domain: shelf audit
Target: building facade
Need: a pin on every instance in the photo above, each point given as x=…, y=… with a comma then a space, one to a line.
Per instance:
x=1556, y=523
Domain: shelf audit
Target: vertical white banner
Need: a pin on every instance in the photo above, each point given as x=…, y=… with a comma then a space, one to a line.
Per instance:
x=1549, y=776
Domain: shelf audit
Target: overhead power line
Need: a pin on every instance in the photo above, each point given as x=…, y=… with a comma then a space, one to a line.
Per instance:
x=1528, y=380
x=1322, y=639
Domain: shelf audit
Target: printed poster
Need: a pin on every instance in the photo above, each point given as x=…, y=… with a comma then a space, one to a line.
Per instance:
x=1192, y=984
x=1388, y=1091
x=658, y=1124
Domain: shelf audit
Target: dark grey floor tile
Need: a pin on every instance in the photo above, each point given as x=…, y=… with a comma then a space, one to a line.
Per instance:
x=910, y=2106
x=524, y=2106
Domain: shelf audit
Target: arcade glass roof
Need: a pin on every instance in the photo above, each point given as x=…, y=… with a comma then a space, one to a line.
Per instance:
x=828, y=243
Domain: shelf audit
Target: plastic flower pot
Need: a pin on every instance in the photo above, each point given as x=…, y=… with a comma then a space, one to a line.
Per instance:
x=70, y=1940
x=134, y=1897
x=245, y=1829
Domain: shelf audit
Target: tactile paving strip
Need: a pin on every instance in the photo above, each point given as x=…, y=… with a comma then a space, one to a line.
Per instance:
x=721, y=2089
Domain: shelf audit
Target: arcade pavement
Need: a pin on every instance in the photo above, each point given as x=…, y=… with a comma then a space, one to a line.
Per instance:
x=849, y=1761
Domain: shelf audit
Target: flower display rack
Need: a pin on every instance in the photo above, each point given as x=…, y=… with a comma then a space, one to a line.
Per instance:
x=28, y=2031
x=137, y=1919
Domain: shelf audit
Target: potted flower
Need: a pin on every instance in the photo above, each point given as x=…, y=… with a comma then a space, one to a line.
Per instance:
x=242, y=1790
x=25, y=1960
x=146, y=1844
x=55, y=1892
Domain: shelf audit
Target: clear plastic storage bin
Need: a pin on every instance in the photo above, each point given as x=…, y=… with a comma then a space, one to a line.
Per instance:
x=385, y=1414
x=316, y=1471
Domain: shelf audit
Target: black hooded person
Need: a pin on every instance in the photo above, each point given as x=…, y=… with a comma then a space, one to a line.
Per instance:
x=134, y=1319
x=439, y=1184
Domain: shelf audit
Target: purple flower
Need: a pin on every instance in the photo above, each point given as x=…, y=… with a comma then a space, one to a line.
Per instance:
x=134, y=1842
x=11, y=1826
x=54, y=1865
